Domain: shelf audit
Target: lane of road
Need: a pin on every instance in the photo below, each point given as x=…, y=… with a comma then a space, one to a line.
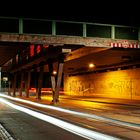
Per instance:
x=86, y=115
x=25, y=127
x=92, y=123
x=83, y=132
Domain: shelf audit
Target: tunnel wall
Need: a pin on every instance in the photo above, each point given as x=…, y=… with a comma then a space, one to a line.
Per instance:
x=114, y=84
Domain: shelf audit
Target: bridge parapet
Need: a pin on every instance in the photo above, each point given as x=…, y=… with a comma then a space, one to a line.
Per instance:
x=29, y=29
x=62, y=40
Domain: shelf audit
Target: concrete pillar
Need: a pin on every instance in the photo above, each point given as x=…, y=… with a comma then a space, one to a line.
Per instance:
x=9, y=84
x=21, y=84
x=53, y=83
x=58, y=85
x=40, y=81
x=14, y=84
x=27, y=83
x=9, y=88
x=36, y=79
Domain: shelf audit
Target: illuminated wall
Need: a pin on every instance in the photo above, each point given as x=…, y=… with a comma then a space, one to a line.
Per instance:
x=114, y=84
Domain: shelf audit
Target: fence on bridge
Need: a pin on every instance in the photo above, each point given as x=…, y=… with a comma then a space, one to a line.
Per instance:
x=67, y=28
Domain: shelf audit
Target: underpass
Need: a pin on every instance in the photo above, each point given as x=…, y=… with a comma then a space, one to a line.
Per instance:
x=57, y=54
x=111, y=119
x=77, y=58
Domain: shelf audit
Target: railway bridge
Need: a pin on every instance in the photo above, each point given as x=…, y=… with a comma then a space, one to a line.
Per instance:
x=83, y=59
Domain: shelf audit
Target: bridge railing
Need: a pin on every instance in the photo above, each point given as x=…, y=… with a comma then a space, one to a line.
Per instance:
x=67, y=28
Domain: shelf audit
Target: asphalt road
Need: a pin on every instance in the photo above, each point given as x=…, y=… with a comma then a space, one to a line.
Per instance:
x=25, y=127
x=117, y=112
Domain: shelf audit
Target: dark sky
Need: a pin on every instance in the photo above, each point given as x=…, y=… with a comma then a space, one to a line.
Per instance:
x=99, y=11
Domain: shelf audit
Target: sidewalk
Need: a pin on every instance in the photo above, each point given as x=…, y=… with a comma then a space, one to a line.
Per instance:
x=118, y=101
x=47, y=98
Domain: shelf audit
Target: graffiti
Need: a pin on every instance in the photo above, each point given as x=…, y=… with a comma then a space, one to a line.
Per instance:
x=124, y=84
x=81, y=87
x=104, y=86
x=91, y=86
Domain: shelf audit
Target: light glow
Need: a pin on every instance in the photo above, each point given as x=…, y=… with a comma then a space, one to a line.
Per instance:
x=91, y=65
x=54, y=72
x=86, y=115
x=83, y=132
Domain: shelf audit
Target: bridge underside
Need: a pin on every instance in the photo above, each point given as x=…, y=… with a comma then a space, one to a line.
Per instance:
x=32, y=50
x=103, y=58
x=71, y=57
x=102, y=48
x=8, y=50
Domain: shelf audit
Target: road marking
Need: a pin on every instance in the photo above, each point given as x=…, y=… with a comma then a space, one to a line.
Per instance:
x=83, y=132
x=86, y=115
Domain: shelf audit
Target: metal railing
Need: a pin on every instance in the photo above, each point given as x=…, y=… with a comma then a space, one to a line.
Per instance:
x=67, y=28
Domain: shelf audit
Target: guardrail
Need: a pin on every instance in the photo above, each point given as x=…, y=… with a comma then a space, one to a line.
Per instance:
x=67, y=28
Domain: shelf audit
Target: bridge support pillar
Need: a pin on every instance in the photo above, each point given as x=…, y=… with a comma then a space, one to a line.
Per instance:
x=14, y=84
x=21, y=84
x=40, y=81
x=58, y=84
x=56, y=81
x=9, y=84
x=50, y=65
x=27, y=84
x=36, y=79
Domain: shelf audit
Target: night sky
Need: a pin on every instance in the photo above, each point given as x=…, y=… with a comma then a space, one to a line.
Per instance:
x=107, y=12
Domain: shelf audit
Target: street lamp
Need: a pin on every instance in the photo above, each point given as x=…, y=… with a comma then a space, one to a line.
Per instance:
x=91, y=65
x=54, y=72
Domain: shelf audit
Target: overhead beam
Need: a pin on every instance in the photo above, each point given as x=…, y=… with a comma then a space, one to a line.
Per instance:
x=59, y=40
x=83, y=52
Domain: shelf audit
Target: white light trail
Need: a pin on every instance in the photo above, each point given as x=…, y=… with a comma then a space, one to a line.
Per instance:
x=126, y=124
x=83, y=132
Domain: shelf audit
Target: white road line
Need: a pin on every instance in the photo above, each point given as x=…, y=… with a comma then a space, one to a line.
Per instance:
x=118, y=122
x=83, y=132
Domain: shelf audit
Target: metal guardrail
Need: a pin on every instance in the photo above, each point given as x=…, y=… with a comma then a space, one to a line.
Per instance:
x=70, y=28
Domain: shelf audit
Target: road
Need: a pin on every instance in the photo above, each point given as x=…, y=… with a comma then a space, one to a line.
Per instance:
x=116, y=120
x=25, y=127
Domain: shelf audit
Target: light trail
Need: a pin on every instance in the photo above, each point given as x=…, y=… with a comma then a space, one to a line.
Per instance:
x=118, y=122
x=83, y=132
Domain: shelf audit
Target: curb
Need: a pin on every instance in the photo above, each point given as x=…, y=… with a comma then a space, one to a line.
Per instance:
x=4, y=134
x=97, y=101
